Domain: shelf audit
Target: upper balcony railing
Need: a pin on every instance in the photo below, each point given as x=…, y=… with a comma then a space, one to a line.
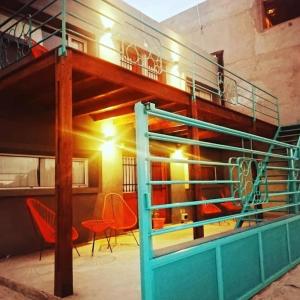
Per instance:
x=114, y=32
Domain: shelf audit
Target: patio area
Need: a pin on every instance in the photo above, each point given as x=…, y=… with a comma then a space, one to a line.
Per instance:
x=105, y=275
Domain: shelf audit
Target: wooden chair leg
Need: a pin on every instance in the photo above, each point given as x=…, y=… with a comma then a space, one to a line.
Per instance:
x=135, y=238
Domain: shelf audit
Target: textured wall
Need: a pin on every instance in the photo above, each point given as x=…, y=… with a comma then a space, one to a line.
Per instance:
x=269, y=58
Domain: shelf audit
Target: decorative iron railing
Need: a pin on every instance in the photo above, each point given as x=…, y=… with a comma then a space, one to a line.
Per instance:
x=246, y=169
x=124, y=37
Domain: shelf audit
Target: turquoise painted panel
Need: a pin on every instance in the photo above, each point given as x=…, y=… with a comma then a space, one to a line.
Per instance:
x=240, y=266
x=294, y=233
x=275, y=250
x=191, y=278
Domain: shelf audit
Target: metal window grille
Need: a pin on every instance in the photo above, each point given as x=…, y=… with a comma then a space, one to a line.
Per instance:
x=127, y=63
x=129, y=174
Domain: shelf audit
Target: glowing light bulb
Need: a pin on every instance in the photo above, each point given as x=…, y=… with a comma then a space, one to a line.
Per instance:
x=108, y=147
x=177, y=154
x=107, y=22
x=108, y=129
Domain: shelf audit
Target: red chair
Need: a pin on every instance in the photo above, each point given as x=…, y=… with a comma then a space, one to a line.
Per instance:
x=210, y=210
x=36, y=49
x=44, y=220
x=228, y=207
x=118, y=213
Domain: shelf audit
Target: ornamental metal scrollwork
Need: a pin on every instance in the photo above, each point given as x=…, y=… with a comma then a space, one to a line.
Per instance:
x=142, y=57
x=13, y=42
x=250, y=193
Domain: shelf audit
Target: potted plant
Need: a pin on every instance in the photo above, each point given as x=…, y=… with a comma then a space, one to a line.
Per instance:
x=157, y=221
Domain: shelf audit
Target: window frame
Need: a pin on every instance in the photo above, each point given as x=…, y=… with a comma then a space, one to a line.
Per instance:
x=38, y=172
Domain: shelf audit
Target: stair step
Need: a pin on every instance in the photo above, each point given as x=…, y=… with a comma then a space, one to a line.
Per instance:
x=285, y=136
x=292, y=142
x=290, y=127
x=282, y=151
x=285, y=162
x=277, y=201
x=276, y=175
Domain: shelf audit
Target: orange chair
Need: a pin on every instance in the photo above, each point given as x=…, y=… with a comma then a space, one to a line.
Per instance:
x=228, y=207
x=44, y=220
x=96, y=227
x=36, y=49
x=118, y=214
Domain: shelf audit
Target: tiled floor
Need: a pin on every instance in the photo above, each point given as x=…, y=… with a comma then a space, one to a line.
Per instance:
x=115, y=275
x=8, y=294
x=104, y=276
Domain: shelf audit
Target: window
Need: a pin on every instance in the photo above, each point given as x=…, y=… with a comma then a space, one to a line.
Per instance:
x=141, y=61
x=77, y=43
x=129, y=174
x=279, y=11
x=126, y=62
x=34, y=172
x=201, y=90
x=18, y=172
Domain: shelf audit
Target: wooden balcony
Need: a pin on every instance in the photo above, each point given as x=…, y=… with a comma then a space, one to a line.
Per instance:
x=103, y=90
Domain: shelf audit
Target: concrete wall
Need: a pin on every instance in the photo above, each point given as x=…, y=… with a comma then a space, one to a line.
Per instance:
x=270, y=58
x=32, y=133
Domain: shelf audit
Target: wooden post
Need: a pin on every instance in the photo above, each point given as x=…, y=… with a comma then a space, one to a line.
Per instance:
x=63, y=281
x=195, y=171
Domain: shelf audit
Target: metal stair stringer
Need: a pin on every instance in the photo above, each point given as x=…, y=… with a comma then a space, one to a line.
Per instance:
x=257, y=183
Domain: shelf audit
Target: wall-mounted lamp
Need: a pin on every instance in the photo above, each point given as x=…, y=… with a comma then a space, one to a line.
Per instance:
x=177, y=154
x=108, y=147
x=107, y=22
x=108, y=129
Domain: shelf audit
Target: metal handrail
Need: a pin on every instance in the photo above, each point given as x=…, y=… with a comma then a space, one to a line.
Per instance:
x=188, y=63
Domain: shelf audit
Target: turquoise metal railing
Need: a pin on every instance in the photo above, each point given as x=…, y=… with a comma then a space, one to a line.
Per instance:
x=239, y=195
x=30, y=27
x=255, y=197
x=135, y=44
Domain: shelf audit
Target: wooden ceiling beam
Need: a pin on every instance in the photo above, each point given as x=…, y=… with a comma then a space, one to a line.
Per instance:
x=205, y=135
x=107, y=100
x=121, y=111
x=111, y=72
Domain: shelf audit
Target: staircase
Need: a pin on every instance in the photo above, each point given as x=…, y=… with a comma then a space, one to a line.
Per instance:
x=276, y=171
x=289, y=135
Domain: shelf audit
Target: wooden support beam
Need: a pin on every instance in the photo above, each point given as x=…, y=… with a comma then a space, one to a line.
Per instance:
x=63, y=281
x=121, y=111
x=195, y=171
x=111, y=72
x=91, y=87
x=205, y=135
x=15, y=75
x=106, y=100
x=118, y=110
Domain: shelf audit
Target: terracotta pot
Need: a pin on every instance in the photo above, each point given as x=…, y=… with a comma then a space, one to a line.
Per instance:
x=158, y=223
